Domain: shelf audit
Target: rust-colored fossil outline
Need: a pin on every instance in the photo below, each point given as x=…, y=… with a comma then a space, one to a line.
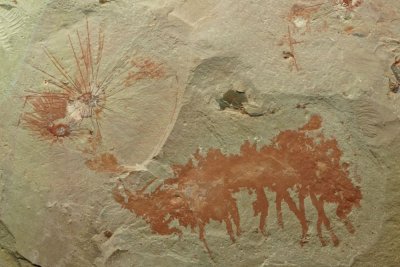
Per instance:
x=350, y=4
x=48, y=109
x=201, y=190
x=82, y=95
x=306, y=11
x=144, y=68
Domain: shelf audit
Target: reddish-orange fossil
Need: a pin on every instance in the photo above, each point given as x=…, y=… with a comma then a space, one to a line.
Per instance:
x=144, y=68
x=350, y=4
x=78, y=95
x=105, y=162
x=86, y=91
x=46, y=118
x=301, y=161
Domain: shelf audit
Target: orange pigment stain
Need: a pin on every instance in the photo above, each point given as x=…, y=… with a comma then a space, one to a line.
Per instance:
x=302, y=161
x=303, y=12
x=349, y=29
x=144, y=68
x=350, y=4
x=47, y=110
x=104, y=163
x=314, y=123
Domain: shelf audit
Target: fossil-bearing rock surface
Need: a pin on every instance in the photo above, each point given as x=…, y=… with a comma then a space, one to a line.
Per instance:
x=199, y=133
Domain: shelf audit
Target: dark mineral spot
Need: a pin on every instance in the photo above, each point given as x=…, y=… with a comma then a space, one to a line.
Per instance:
x=232, y=99
x=108, y=233
x=287, y=54
x=395, y=67
x=235, y=99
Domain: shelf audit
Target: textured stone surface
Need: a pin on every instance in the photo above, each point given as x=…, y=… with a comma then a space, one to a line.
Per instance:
x=199, y=133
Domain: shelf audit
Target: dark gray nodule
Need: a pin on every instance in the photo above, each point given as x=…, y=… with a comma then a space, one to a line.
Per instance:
x=232, y=98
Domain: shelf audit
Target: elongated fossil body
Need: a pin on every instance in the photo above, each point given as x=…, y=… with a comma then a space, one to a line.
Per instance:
x=301, y=161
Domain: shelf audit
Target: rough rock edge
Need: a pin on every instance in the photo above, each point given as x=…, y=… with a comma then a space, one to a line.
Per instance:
x=9, y=248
